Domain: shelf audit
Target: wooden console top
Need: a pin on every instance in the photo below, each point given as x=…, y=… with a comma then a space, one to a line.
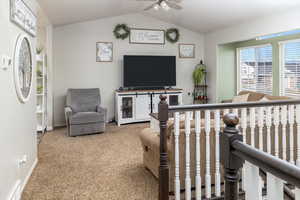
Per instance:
x=151, y=91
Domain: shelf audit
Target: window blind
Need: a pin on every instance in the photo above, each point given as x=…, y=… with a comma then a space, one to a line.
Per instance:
x=290, y=78
x=255, y=67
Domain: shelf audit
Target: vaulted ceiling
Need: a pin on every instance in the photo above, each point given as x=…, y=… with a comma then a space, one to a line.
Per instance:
x=198, y=15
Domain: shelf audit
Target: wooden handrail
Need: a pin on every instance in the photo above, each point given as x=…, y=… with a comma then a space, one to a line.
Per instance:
x=280, y=168
x=234, y=152
x=182, y=108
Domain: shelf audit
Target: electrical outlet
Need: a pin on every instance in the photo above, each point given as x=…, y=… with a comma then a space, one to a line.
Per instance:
x=23, y=160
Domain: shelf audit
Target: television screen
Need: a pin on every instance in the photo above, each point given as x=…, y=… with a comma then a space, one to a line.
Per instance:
x=149, y=71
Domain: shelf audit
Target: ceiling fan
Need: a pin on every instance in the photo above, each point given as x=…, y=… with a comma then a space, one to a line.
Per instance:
x=163, y=4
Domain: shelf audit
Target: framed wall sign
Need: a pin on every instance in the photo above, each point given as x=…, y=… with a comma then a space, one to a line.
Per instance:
x=23, y=68
x=186, y=50
x=22, y=15
x=147, y=36
x=104, y=51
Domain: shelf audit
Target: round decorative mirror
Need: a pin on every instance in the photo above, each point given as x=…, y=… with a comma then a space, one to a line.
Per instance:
x=23, y=67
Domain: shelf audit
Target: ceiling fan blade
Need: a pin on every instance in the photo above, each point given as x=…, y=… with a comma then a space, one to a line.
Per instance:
x=173, y=5
x=150, y=7
x=176, y=1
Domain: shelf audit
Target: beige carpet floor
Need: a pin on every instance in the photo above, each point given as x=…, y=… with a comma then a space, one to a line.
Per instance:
x=104, y=166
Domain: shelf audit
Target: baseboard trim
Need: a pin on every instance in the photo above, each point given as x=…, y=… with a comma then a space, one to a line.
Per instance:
x=29, y=175
x=49, y=128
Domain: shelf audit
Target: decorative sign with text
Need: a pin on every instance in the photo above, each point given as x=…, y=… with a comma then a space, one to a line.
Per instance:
x=147, y=36
x=22, y=15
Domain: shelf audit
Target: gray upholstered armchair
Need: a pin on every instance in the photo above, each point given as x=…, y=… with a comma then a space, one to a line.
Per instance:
x=83, y=112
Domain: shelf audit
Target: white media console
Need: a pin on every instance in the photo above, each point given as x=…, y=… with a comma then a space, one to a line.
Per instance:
x=136, y=105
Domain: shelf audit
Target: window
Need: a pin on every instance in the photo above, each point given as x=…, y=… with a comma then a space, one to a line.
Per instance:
x=255, y=69
x=290, y=71
x=265, y=37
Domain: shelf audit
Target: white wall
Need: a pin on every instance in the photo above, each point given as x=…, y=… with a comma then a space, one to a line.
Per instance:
x=17, y=120
x=279, y=22
x=75, y=63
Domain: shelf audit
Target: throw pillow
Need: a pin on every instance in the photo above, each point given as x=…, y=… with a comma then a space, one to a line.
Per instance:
x=264, y=99
x=240, y=98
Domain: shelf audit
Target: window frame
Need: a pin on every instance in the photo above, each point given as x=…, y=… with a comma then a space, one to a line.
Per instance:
x=238, y=61
x=282, y=64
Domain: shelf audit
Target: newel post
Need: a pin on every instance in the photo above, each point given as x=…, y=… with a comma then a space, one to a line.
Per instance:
x=230, y=162
x=163, y=115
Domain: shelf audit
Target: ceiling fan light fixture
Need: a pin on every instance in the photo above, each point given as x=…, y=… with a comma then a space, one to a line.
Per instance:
x=164, y=5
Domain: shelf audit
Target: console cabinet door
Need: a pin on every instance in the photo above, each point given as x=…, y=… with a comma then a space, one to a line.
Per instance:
x=127, y=107
x=142, y=107
x=155, y=102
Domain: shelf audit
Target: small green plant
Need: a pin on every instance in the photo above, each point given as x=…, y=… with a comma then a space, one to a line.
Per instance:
x=39, y=50
x=39, y=89
x=39, y=73
x=199, y=73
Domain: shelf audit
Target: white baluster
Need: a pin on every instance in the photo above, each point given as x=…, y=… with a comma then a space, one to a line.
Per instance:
x=187, y=156
x=198, y=154
x=244, y=123
x=217, y=173
x=298, y=134
x=207, y=160
x=225, y=112
x=261, y=126
x=274, y=184
x=176, y=137
x=268, y=125
x=252, y=126
x=244, y=131
x=297, y=194
x=291, y=117
x=276, y=126
x=236, y=112
x=283, y=123
x=274, y=187
x=252, y=182
x=252, y=179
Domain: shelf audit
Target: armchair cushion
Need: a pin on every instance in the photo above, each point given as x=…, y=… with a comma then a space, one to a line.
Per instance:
x=83, y=100
x=87, y=117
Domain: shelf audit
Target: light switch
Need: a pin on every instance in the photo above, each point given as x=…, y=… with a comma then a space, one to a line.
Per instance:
x=5, y=62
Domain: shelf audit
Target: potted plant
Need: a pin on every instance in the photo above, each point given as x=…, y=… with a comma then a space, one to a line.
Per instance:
x=199, y=73
x=39, y=56
x=39, y=73
x=39, y=89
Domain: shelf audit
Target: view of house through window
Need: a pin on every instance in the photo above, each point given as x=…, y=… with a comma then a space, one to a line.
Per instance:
x=290, y=68
x=255, y=69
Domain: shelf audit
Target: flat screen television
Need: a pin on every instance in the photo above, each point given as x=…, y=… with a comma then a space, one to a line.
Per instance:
x=149, y=71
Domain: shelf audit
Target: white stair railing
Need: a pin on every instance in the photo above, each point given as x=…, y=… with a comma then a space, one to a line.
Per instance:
x=268, y=127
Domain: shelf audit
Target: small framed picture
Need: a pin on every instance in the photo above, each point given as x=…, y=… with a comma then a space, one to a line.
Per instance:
x=186, y=50
x=104, y=51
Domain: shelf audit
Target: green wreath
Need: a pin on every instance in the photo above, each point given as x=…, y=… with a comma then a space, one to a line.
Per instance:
x=121, y=31
x=169, y=35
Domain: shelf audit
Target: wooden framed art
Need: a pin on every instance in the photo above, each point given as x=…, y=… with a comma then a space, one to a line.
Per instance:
x=147, y=36
x=104, y=52
x=186, y=50
x=22, y=16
